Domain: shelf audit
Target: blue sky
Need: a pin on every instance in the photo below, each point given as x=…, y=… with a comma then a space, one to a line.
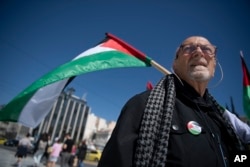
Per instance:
x=37, y=36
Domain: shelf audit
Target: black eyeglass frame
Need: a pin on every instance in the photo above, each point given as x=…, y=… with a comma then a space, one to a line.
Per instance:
x=198, y=45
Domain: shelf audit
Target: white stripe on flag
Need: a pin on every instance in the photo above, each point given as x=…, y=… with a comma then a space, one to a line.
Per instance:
x=41, y=103
x=97, y=49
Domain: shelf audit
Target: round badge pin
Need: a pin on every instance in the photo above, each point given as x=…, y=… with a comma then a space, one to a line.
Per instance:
x=194, y=128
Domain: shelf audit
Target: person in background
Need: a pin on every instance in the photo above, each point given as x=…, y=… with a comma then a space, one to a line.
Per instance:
x=73, y=158
x=81, y=153
x=241, y=128
x=178, y=122
x=45, y=156
x=55, y=152
x=66, y=151
x=41, y=146
x=22, y=149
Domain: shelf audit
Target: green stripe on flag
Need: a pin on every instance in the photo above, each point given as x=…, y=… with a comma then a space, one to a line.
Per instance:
x=246, y=100
x=95, y=62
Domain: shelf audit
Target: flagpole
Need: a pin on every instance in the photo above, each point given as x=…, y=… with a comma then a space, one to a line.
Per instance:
x=241, y=53
x=159, y=67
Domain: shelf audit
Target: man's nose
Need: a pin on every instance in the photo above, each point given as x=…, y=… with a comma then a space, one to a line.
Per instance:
x=198, y=52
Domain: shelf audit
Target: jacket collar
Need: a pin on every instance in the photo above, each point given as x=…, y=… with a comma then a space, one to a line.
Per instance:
x=189, y=93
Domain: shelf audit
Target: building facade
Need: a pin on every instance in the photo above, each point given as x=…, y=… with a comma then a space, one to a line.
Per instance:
x=68, y=115
x=98, y=131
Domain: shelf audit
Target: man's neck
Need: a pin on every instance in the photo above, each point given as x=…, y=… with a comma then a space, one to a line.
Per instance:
x=200, y=87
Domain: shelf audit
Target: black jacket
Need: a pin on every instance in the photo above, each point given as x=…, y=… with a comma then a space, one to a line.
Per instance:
x=211, y=148
x=81, y=152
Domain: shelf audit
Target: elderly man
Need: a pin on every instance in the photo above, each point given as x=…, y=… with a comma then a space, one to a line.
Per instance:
x=177, y=123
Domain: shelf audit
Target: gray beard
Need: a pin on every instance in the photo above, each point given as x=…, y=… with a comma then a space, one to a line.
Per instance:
x=200, y=76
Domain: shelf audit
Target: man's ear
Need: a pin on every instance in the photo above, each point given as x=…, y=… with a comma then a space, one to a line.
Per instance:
x=215, y=63
x=214, y=67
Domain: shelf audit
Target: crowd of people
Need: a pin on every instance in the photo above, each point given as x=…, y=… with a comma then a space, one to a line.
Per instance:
x=70, y=153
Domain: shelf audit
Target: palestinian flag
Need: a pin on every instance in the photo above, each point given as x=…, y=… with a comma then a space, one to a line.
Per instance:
x=246, y=87
x=32, y=105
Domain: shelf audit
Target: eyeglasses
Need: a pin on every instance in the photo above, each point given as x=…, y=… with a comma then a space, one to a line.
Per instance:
x=206, y=49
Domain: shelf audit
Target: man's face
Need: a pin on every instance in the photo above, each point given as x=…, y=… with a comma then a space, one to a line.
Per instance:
x=196, y=60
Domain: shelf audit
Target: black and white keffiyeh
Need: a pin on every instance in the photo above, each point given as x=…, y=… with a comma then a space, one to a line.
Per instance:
x=152, y=143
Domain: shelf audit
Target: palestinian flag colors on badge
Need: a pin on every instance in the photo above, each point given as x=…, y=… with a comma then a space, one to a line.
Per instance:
x=194, y=128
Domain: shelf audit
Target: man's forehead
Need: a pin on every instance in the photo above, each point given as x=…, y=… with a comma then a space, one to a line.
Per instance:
x=196, y=40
